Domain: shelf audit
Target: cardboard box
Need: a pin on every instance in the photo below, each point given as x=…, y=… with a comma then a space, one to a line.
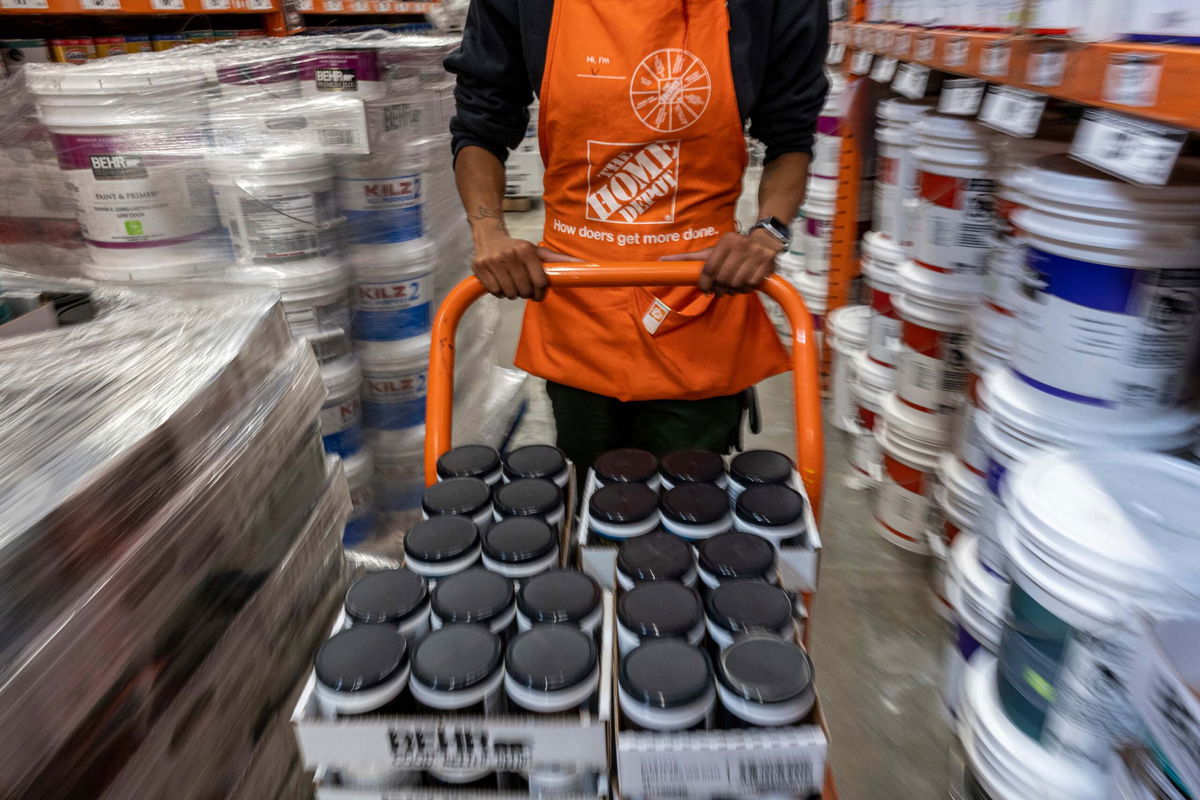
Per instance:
x=1165, y=691
x=524, y=175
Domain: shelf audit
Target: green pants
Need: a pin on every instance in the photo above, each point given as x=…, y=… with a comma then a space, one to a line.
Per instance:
x=589, y=424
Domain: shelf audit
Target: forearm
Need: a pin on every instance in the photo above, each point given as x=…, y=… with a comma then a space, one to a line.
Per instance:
x=479, y=176
x=782, y=186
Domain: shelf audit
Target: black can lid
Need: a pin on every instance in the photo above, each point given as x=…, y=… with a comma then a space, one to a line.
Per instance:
x=660, y=609
x=534, y=461
x=765, y=669
x=655, y=556
x=760, y=466
x=695, y=503
x=528, y=497
x=473, y=595
x=441, y=539
x=736, y=555
x=623, y=502
x=457, y=657
x=456, y=496
x=770, y=505
x=692, y=466
x=665, y=673
x=558, y=595
x=628, y=465
x=361, y=657
x=739, y=606
x=468, y=461
x=518, y=539
x=386, y=597
x=548, y=658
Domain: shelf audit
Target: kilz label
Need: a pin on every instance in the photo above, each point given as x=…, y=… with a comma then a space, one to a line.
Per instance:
x=116, y=167
x=633, y=184
x=333, y=79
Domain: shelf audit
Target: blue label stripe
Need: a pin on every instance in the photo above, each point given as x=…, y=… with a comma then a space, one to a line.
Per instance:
x=391, y=325
x=344, y=443
x=1063, y=393
x=358, y=529
x=394, y=416
x=386, y=226
x=1083, y=283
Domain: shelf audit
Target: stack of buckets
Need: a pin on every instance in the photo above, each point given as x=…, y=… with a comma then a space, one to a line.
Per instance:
x=1069, y=320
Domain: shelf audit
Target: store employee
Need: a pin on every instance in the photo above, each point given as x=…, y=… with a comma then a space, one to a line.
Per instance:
x=641, y=131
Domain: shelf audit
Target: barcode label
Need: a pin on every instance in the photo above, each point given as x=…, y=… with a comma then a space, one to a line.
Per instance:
x=993, y=61
x=332, y=137
x=18, y=4
x=1046, y=68
x=925, y=45
x=100, y=5
x=333, y=6
x=775, y=776
x=957, y=51
x=1136, y=150
x=1131, y=79
x=215, y=5
x=901, y=42
x=1013, y=111
x=167, y=5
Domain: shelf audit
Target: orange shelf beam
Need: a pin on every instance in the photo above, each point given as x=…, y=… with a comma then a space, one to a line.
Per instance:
x=1178, y=97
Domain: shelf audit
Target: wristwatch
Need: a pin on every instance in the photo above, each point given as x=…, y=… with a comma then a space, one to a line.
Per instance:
x=776, y=228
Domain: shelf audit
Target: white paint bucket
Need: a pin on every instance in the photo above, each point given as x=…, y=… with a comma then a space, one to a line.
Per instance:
x=1175, y=21
x=395, y=378
x=912, y=442
x=932, y=373
x=351, y=71
x=847, y=336
x=953, y=222
x=131, y=154
x=814, y=288
x=1113, y=276
x=819, y=209
x=979, y=600
x=991, y=335
x=896, y=174
x=341, y=413
x=383, y=200
x=827, y=145
x=1022, y=423
x=403, y=119
x=870, y=385
x=1005, y=764
x=315, y=294
x=393, y=299
x=276, y=208
x=1096, y=540
x=360, y=469
x=961, y=495
x=881, y=267
x=258, y=79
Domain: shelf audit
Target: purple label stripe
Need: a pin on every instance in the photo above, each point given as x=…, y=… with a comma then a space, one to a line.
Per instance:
x=1054, y=391
x=156, y=243
x=828, y=125
x=365, y=63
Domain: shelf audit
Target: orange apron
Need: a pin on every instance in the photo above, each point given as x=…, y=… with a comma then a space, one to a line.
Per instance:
x=644, y=152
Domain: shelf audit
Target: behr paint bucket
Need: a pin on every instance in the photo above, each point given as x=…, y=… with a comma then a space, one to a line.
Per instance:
x=1112, y=274
x=819, y=209
x=827, y=145
x=872, y=383
x=1022, y=423
x=896, y=174
x=953, y=223
x=980, y=600
x=881, y=266
x=1097, y=539
x=847, y=336
x=912, y=442
x=987, y=351
x=932, y=373
x=356, y=72
x=1002, y=762
x=961, y=495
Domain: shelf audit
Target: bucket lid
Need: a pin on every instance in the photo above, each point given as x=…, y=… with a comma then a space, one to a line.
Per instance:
x=1060, y=179
x=882, y=252
x=872, y=375
x=967, y=489
x=915, y=429
x=938, y=288
x=896, y=110
x=254, y=164
x=113, y=77
x=993, y=331
x=398, y=258
x=791, y=262
x=295, y=276
x=937, y=129
x=410, y=352
x=341, y=375
x=1154, y=243
x=849, y=324
x=1109, y=522
x=160, y=271
x=822, y=190
x=1034, y=417
x=814, y=289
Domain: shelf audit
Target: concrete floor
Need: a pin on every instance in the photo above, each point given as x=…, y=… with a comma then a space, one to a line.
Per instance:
x=877, y=640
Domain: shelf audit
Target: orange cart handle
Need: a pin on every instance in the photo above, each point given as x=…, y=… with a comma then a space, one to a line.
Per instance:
x=810, y=445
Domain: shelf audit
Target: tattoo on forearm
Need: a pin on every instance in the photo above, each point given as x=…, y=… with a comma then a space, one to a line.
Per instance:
x=485, y=213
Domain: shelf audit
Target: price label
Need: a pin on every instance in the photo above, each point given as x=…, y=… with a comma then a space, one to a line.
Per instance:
x=883, y=41
x=836, y=53
x=1131, y=79
x=859, y=35
x=860, y=62
x=961, y=97
x=925, y=45
x=884, y=70
x=901, y=42
x=215, y=5
x=333, y=6
x=384, y=6
x=306, y=5
x=361, y=6
x=1046, y=68
x=19, y=4
x=957, y=50
x=166, y=5
x=100, y=5
x=994, y=59
x=1013, y=111
x=1134, y=149
x=258, y=5
x=911, y=80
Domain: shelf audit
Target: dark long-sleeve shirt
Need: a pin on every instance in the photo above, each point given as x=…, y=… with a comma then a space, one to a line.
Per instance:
x=776, y=47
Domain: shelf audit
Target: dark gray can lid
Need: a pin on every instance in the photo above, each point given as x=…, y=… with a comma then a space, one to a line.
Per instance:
x=386, y=597
x=623, y=502
x=695, y=503
x=361, y=658
x=692, y=466
x=666, y=673
x=660, y=609
x=736, y=555
x=456, y=496
x=748, y=605
x=519, y=539
x=441, y=539
x=473, y=595
x=765, y=669
x=528, y=497
x=628, y=465
x=549, y=658
x=770, y=505
x=558, y=595
x=760, y=466
x=534, y=461
x=655, y=556
x=457, y=657
x=468, y=461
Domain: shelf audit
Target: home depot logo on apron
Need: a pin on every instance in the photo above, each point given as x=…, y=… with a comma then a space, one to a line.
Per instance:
x=644, y=152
